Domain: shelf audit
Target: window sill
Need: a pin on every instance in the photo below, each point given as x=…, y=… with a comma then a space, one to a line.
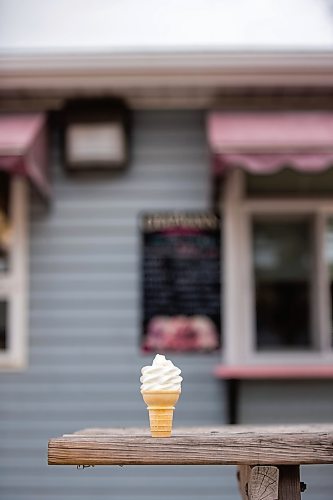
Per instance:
x=279, y=372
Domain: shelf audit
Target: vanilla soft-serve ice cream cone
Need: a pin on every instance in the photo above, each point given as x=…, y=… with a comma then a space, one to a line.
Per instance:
x=160, y=389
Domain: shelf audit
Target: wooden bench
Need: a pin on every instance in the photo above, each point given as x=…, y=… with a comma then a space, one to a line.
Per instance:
x=268, y=458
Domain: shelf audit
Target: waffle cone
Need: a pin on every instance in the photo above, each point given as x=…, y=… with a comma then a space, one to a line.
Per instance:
x=160, y=405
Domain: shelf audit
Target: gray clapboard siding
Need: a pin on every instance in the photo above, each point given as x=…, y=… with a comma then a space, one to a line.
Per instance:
x=84, y=317
x=288, y=401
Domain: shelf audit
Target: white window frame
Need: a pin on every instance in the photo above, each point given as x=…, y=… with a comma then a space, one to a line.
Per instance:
x=238, y=298
x=14, y=282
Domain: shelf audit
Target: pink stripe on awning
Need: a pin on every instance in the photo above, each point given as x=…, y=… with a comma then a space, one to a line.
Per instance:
x=267, y=142
x=23, y=148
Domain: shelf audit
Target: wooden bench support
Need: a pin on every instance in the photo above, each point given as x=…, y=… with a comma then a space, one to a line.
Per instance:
x=243, y=477
x=289, y=482
x=267, y=482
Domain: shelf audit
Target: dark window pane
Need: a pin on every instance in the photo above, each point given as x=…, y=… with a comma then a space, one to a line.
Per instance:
x=3, y=325
x=282, y=272
x=4, y=221
x=290, y=183
x=329, y=260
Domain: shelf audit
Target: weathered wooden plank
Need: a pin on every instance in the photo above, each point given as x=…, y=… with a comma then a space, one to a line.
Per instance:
x=231, y=445
x=314, y=429
x=289, y=483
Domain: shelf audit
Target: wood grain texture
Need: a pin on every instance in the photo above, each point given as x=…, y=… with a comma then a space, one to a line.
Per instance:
x=263, y=483
x=289, y=483
x=243, y=477
x=230, y=445
x=258, y=482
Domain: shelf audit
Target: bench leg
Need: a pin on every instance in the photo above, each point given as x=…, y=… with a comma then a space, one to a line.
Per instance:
x=258, y=482
x=243, y=477
x=289, y=482
x=269, y=482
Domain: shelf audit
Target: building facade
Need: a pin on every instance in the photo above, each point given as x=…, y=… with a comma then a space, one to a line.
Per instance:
x=73, y=280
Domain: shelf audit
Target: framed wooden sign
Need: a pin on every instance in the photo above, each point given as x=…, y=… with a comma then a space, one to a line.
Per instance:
x=181, y=282
x=96, y=134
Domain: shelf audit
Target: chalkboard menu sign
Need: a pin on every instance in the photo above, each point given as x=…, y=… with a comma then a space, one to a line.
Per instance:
x=181, y=282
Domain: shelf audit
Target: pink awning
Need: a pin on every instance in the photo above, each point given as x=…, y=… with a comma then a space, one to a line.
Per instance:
x=264, y=143
x=23, y=148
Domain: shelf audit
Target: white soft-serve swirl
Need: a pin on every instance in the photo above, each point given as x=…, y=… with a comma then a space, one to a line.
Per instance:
x=162, y=375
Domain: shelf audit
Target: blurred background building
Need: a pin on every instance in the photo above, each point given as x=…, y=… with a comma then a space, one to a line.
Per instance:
x=111, y=110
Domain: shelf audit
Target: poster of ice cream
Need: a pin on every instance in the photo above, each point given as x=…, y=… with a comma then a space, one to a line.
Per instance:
x=181, y=290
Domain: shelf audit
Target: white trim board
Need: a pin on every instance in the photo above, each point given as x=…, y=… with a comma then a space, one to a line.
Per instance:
x=168, y=70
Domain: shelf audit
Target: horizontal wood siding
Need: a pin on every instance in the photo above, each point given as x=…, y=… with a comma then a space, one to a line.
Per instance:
x=286, y=401
x=84, y=329
x=84, y=324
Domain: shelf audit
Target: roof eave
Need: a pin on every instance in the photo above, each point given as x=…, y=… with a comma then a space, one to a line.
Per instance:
x=177, y=69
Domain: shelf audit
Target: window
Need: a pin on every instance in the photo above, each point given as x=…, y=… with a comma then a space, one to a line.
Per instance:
x=282, y=261
x=13, y=272
x=289, y=183
x=278, y=273
x=329, y=268
x=4, y=221
x=3, y=325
